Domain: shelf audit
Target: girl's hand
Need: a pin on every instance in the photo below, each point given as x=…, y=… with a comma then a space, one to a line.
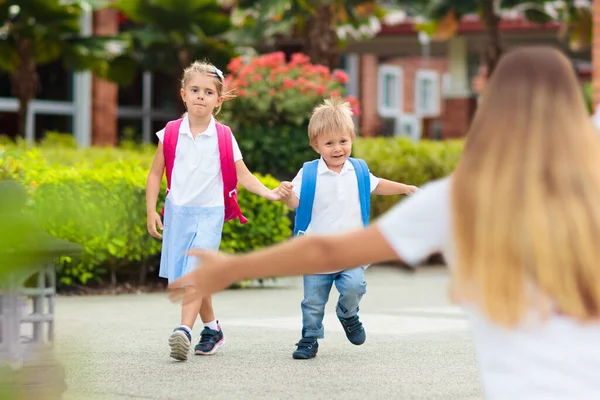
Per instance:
x=152, y=222
x=274, y=195
x=205, y=280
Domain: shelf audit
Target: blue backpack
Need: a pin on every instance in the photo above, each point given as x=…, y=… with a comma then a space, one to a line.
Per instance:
x=307, y=193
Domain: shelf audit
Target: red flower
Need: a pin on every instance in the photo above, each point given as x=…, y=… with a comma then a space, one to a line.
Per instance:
x=299, y=59
x=341, y=76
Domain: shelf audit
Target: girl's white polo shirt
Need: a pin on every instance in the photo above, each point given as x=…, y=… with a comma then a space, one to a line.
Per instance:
x=558, y=360
x=196, y=178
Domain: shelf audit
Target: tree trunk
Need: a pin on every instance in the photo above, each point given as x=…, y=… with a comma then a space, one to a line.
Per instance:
x=493, y=46
x=24, y=81
x=321, y=39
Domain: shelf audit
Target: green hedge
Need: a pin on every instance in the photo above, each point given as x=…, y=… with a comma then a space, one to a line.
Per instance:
x=279, y=151
x=406, y=161
x=96, y=197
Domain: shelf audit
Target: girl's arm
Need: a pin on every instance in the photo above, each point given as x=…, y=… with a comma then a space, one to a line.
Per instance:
x=152, y=188
x=308, y=254
x=154, y=179
x=386, y=188
x=252, y=184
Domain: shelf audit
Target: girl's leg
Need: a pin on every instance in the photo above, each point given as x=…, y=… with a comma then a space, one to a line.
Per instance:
x=207, y=313
x=189, y=311
x=211, y=337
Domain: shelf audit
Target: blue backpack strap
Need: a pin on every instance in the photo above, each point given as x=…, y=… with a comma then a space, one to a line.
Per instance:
x=364, y=187
x=307, y=197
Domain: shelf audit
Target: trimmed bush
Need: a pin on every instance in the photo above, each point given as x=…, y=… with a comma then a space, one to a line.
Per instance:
x=406, y=161
x=81, y=196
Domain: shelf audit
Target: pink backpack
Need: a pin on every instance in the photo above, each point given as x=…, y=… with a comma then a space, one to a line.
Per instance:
x=230, y=182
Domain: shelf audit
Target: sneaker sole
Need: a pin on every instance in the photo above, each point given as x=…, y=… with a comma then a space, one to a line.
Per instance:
x=180, y=346
x=213, y=351
x=302, y=357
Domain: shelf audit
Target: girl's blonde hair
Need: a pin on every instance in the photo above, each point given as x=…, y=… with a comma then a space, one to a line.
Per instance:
x=526, y=195
x=200, y=67
x=334, y=115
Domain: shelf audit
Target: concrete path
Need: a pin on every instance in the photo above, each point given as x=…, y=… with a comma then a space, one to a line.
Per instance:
x=418, y=346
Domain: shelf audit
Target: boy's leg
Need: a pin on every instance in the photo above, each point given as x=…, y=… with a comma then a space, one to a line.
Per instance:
x=316, y=294
x=352, y=286
x=211, y=338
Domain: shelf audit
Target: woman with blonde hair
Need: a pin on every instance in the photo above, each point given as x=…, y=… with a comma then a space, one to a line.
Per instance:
x=518, y=222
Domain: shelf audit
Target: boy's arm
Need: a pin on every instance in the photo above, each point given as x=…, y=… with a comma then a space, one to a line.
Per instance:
x=252, y=184
x=386, y=188
x=292, y=202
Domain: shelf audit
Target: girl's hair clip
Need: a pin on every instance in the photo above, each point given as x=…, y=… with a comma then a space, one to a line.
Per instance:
x=218, y=72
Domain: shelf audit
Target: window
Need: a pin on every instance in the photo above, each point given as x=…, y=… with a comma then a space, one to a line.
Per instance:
x=410, y=126
x=427, y=93
x=389, y=90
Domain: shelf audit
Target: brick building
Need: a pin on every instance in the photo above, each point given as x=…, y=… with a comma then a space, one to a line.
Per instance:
x=434, y=95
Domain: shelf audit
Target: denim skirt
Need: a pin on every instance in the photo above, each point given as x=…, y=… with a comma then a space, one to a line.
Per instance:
x=187, y=228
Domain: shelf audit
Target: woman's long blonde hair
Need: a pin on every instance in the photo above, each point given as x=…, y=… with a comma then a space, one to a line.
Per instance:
x=526, y=195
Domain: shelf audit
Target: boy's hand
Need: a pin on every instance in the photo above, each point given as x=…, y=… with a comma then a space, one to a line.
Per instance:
x=152, y=221
x=410, y=189
x=285, y=189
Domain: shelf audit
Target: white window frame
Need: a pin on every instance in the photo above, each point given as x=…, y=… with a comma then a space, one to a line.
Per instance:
x=395, y=110
x=409, y=120
x=434, y=109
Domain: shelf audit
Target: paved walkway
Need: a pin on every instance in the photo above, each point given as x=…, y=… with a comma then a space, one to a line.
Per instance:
x=418, y=346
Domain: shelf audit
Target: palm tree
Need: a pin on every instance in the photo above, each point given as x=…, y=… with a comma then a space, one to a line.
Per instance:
x=168, y=35
x=37, y=32
x=314, y=22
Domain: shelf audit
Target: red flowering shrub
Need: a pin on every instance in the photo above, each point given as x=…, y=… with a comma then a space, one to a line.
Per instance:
x=273, y=92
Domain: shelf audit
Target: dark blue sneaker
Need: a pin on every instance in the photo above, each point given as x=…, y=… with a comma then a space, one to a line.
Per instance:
x=354, y=330
x=210, y=341
x=307, y=348
x=180, y=342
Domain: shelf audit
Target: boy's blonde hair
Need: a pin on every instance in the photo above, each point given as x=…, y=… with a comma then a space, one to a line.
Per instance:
x=201, y=67
x=334, y=115
x=526, y=195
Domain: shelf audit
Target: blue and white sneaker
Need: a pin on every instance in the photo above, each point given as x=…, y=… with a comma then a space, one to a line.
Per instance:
x=210, y=341
x=180, y=342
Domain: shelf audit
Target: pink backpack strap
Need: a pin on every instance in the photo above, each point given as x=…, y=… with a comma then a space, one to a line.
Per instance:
x=228, y=171
x=170, y=147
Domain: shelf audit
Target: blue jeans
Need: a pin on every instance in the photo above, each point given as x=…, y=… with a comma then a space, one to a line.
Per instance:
x=351, y=285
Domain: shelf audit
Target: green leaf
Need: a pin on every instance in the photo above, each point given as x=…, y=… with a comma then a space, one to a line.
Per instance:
x=8, y=57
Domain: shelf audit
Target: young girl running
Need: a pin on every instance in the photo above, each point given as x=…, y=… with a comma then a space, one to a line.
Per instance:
x=203, y=164
x=518, y=223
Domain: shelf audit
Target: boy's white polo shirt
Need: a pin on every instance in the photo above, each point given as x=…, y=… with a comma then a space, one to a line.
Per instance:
x=196, y=178
x=336, y=207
